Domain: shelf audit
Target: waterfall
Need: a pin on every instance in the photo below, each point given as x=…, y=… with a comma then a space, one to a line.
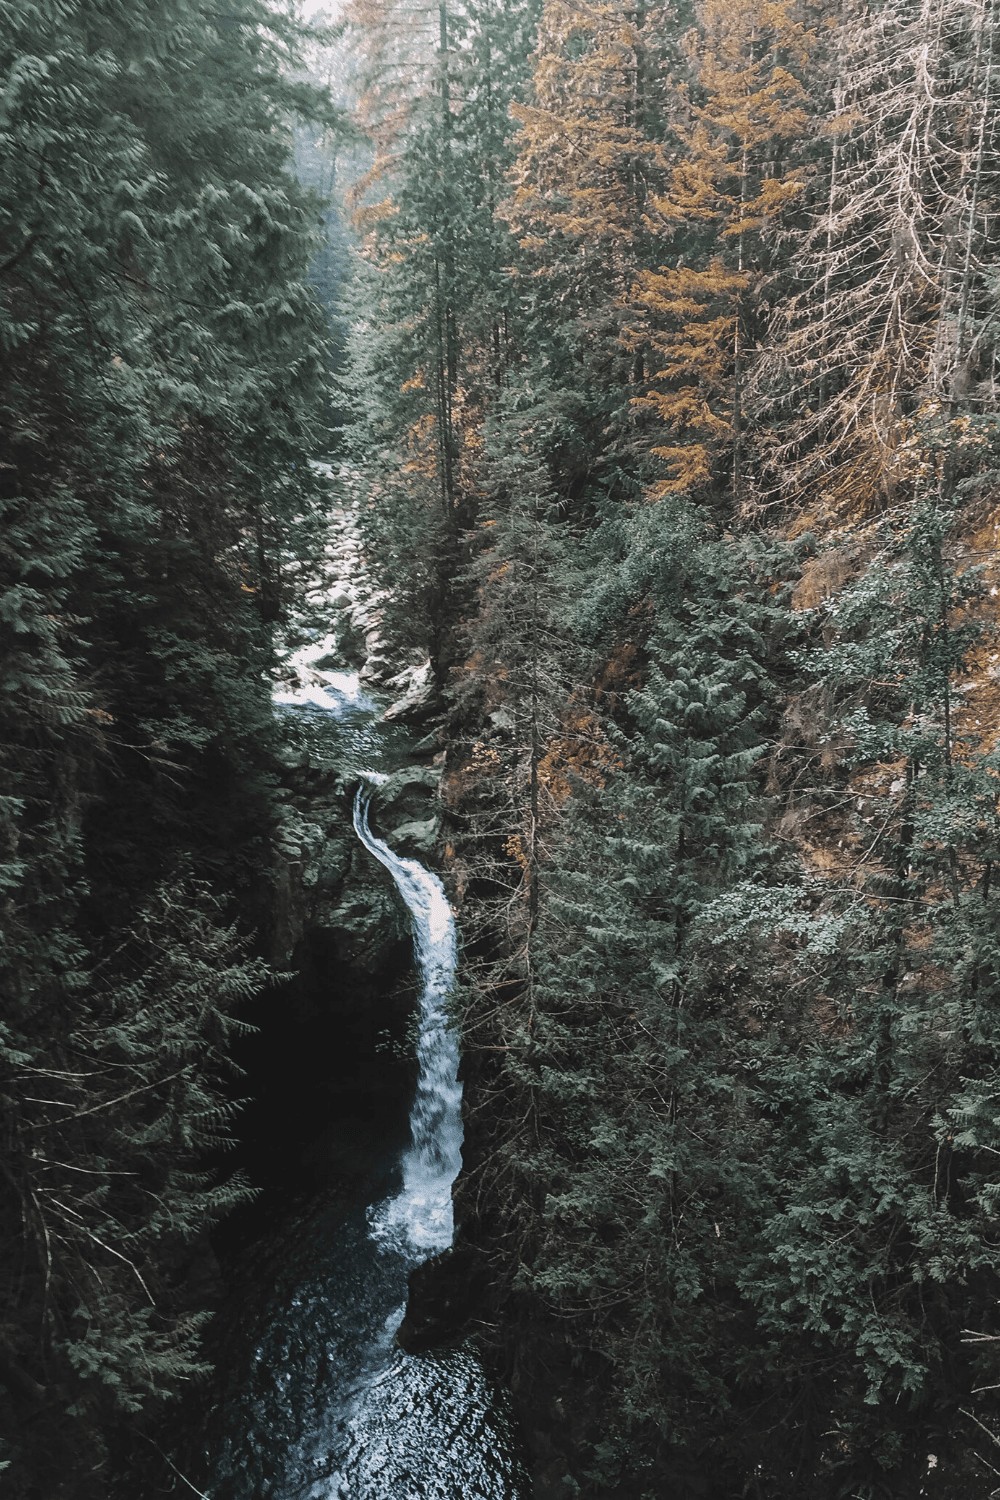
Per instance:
x=422, y=1213
x=323, y=1403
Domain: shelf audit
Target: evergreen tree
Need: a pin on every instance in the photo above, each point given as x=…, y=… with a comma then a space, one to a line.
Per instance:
x=879, y=1248
x=433, y=304
x=590, y=156
x=625, y=1197
x=159, y=397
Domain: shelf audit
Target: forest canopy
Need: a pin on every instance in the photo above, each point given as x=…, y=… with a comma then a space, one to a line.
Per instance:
x=162, y=383
x=676, y=411
x=655, y=348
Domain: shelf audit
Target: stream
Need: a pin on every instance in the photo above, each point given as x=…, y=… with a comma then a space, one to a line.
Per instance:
x=322, y=1403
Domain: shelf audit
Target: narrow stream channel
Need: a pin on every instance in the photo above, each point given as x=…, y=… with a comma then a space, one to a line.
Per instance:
x=420, y=1217
x=327, y=1406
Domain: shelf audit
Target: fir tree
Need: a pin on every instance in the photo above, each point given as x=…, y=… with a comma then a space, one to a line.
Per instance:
x=159, y=396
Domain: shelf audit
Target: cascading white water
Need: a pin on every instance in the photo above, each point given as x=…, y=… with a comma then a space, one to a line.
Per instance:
x=422, y=1212
x=305, y=682
x=327, y=1405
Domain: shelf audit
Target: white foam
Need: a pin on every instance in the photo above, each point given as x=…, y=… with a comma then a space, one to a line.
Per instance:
x=335, y=692
x=422, y=1215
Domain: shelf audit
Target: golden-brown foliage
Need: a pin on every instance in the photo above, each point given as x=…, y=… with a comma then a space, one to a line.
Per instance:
x=690, y=318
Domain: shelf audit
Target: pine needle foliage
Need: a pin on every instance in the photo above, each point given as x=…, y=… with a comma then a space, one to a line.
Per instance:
x=677, y=417
x=161, y=392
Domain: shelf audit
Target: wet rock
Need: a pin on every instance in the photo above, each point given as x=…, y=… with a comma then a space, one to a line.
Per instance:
x=430, y=746
x=331, y=866
x=325, y=889
x=361, y=919
x=417, y=838
x=376, y=672
x=294, y=757
x=444, y=1294
x=408, y=795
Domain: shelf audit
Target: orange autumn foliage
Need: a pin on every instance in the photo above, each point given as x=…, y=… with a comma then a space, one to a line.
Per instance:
x=689, y=317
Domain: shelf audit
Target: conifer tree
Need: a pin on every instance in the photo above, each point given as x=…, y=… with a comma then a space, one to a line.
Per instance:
x=627, y=1189
x=515, y=681
x=159, y=397
x=696, y=318
x=878, y=1242
x=889, y=269
x=433, y=281
x=590, y=155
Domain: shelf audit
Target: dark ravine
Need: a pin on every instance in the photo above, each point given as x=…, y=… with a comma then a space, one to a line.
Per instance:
x=358, y=1144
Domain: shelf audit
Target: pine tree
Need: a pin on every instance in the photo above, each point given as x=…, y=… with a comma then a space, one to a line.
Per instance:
x=108, y=1126
x=877, y=1248
x=433, y=284
x=590, y=156
x=627, y=1189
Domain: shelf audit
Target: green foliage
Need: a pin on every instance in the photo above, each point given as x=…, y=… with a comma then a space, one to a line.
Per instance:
x=161, y=392
x=108, y=1122
x=722, y=795
x=434, y=322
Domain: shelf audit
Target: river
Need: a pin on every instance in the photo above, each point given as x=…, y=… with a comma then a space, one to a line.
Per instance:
x=321, y=1403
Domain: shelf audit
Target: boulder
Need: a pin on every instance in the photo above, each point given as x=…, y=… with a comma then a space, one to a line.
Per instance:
x=408, y=795
x=416, y=698
x=416, y=838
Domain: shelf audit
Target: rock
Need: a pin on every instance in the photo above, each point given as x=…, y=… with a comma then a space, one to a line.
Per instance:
x=331, y=867
x=345, y=618
x=416, y=685
x=416, y=838
x=445, y=1292
x=354, y=917
x=367, y=925
x=331, y=661
x=430, y=746
x=295, y=757
x=378, y=668
x=407, y=796
x=408, y=778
